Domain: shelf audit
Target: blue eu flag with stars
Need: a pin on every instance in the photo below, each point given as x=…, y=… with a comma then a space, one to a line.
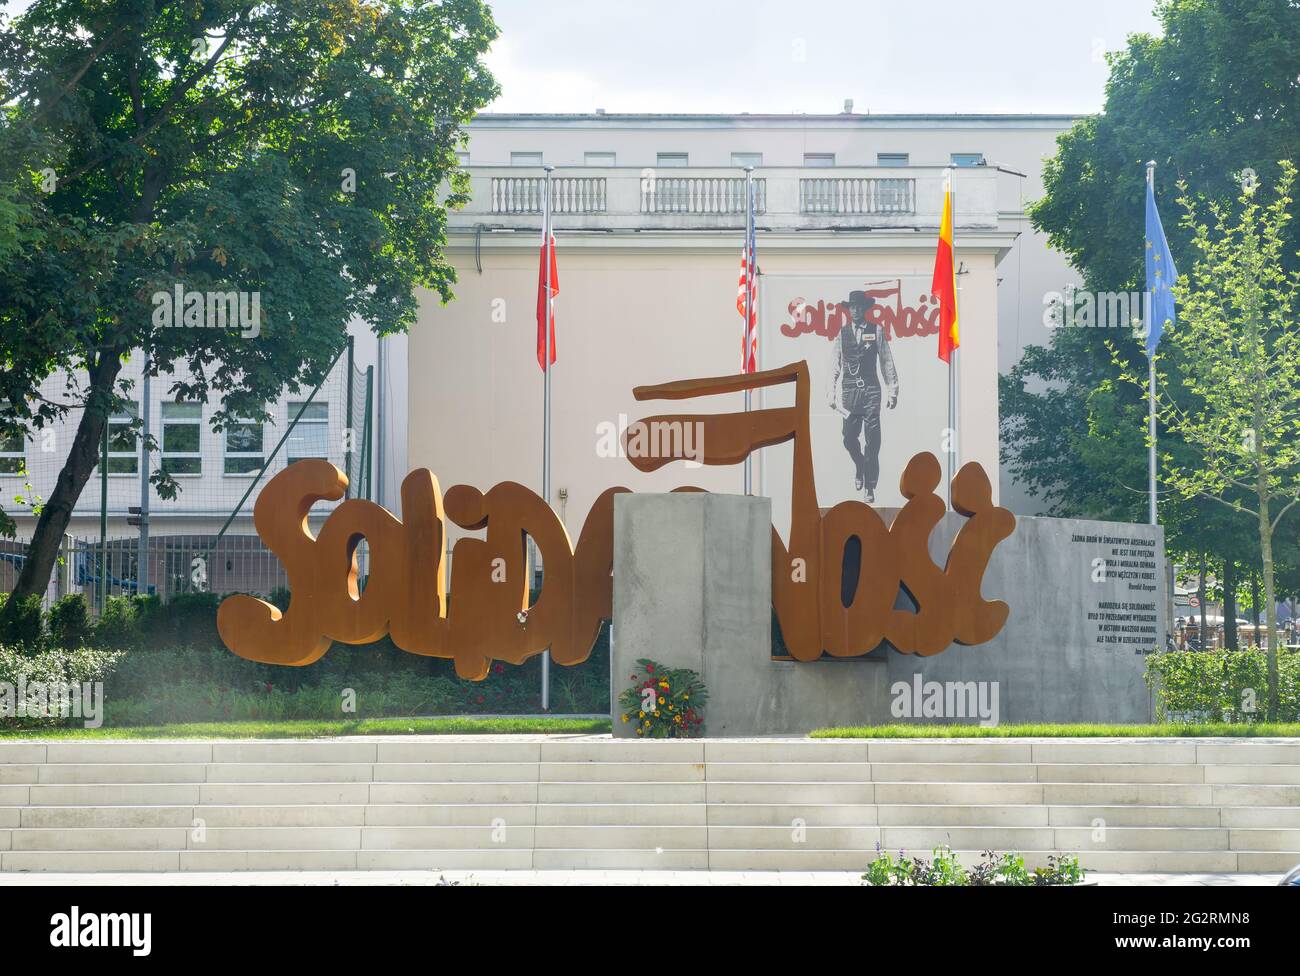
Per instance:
x=1161, y=274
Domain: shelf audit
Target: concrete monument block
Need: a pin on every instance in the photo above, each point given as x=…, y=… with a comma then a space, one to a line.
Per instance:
x=692, y=589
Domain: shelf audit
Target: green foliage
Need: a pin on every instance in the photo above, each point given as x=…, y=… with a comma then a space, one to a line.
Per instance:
x=1213, y=95
x=22, y=625
x=664, y=703
x=304, y=151
x=52, y=666
x=1210, y=98
x=318, y=728
x=118, y=622
x=1221, y=686
x=946, y=871
x=69, y=621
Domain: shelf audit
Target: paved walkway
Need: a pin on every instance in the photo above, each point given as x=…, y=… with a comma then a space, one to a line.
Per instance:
x=528, y=878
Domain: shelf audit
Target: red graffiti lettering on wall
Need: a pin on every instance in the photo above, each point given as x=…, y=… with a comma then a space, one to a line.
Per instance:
x=826, y=318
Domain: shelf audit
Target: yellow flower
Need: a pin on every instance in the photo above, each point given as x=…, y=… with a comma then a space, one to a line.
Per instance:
x=661, y=699
x=625, y=717
x=641, y=715
x=687, y=697
x=656, y=714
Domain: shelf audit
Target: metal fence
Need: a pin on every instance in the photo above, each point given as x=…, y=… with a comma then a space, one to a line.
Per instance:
x=175, y=564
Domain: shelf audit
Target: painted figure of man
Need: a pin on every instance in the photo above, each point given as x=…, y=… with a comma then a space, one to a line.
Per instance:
x=862, y=359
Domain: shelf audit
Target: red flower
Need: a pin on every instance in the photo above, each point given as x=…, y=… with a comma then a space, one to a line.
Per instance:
x=268, y=687
x=649, y=669
x=499, y=669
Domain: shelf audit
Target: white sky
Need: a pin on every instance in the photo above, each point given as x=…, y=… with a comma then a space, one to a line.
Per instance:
x=809, y=55
x=806, y=55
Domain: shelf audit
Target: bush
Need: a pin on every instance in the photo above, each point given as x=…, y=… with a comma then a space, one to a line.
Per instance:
x=1222, y=686
x=993, y=870
x=69, y=621
x=116, y=626
x=47, y=667
x=21, y=625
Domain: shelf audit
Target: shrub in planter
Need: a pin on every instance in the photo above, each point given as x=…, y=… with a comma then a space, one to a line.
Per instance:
x=944, y=870
x=664, y=703
x=69, y=621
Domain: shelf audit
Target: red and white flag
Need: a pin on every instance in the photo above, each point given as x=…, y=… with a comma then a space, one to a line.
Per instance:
x=747, y=287
x=547, y=256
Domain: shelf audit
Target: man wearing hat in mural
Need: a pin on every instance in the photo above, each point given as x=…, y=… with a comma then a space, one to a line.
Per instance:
x=862, y=358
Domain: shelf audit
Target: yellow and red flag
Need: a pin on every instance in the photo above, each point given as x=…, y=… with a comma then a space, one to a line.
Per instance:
x=548, y=258
x=944, y=286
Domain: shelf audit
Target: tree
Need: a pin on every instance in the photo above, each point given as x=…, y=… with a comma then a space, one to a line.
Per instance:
x=301, y=152
x=1212, y=97
x=1238, y=342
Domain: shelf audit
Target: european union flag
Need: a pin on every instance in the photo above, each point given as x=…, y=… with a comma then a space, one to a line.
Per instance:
x=1161, y=274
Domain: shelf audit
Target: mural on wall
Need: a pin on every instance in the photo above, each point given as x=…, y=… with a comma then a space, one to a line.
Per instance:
x=879, y=393
x=824, y=603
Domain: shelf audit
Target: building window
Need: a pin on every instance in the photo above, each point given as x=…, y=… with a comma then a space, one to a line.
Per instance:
x=819, y=159
x=244, y=453
x=599, y=159
x=747, y=159
x=892, y=159
x=123, y=441
x=672, y=159
x=967, y=159
x=182, y=438
x=311, y=434
x=13, y=449
x=525, y=159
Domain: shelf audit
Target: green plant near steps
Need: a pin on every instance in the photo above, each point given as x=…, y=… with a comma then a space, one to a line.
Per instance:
x=1222, y=686
x=664, y=703
x=944, y=870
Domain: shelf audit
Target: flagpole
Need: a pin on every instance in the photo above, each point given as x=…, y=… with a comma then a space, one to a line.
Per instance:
x=548, y=250
x=750, y=268
x=1151, y=393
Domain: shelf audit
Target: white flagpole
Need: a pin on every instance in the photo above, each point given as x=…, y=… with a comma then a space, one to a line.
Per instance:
x=751, y=267
x=546, y=402
x=1151, y=395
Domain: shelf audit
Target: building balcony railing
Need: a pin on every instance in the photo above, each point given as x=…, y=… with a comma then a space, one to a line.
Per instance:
x=699, y=198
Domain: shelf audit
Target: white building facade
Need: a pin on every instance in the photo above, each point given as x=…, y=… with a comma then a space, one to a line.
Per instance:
x=649, y=217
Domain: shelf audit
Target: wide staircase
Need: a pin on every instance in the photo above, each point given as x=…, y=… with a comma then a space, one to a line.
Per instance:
x=593, y=802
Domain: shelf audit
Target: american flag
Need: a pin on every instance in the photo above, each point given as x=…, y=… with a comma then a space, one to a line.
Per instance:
x=748, y=283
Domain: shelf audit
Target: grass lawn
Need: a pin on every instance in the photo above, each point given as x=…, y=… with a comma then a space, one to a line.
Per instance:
x=1170, y=731
x=322, y=728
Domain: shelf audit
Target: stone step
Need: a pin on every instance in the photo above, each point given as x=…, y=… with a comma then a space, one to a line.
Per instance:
x=531, y=750
x=1134, y=816
x=559, y=859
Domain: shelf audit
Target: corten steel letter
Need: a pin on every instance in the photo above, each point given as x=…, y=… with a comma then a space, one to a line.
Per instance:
x=486, y=614
x=807, y=576
x=406, y=593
